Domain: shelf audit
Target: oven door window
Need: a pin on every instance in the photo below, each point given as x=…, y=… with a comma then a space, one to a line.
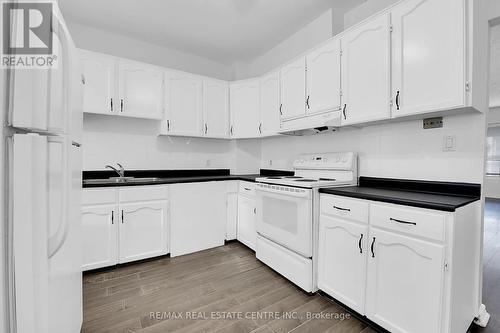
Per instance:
x=286, y=219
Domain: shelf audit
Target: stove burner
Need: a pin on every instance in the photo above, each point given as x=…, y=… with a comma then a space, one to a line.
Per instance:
x=306, y=180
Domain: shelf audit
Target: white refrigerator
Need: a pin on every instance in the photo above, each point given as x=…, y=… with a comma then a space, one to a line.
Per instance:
x=42, y=170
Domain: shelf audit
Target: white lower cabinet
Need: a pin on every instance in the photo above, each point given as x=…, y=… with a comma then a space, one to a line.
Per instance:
x=231, y=210
x=197, y=217
x=405, y=283
x=99, y=239
x=410, y=270
x=342, y=261
x=143, y=230
x=120, y=225
x=247, y=215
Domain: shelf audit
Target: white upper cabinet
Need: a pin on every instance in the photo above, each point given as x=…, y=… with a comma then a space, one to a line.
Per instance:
x=323, y=78
x=244, y=106
x=428, y=56
x=140, y=90
x=269, y=104
x=99, y=83
x=293, y=89
x=183, y=104
x=366, y=72
x=216, y=108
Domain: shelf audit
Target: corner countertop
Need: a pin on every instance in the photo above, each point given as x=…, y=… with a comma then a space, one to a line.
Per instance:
x=174, y=176
x=443, y=196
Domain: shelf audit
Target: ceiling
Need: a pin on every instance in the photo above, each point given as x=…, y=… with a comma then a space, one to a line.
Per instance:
x=221, y=30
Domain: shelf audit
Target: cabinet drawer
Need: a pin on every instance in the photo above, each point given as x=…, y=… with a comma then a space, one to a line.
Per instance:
x=346, y=208
x=247, y=188
x=143, y=193
x=411, y=221
x=99, y=196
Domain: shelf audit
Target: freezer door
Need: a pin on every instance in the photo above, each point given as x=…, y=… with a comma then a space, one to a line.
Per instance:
x=38, y=99
x=28, y=225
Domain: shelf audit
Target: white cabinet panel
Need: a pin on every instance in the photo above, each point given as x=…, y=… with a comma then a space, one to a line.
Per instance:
x=197, y=217
x=404, y=283
x=99, y=83
x=293, y=89
x=140, y=90
x=342, y=261
x=216, y=108
x=99, y=236
x=143, y=230
x=232, y=216
x=323, y=78
x=428, y=56
x=244, y=105
x=246, y=221
x=366, y=72
x=269, y=104
x=183, y=104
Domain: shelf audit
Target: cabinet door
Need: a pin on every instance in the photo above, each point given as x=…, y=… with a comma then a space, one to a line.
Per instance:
x=143, y=230
x=183, y=103
x=140, y=89
x=293, y=89
x=404, y=283
x=269, y=104
x=232, y=216
x=99, y=83
x=216, y=108
x=99, y=236
x=197, y=217
x=247, y=233
x=342, y=261
x=323, y=78
x=428, y=56
x=244, y=105
x=366, y=72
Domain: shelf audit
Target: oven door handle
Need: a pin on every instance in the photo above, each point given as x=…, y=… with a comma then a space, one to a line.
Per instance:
x=281, y=190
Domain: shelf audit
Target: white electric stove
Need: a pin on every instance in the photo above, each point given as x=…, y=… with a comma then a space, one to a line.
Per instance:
x=288, y=213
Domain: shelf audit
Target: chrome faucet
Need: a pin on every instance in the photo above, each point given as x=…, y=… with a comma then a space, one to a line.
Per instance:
x=120, y=172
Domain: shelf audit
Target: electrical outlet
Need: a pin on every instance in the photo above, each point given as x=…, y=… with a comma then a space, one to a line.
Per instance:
x=436, y=122
x=449, y=143
x=270, y=162
x=208, y=163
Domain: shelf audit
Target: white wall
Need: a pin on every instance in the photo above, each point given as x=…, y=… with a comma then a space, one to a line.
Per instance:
x=135, y=144
x=99, y=40
x=312, y=34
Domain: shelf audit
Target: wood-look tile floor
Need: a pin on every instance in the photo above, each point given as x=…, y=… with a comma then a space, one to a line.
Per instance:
x=194, y=289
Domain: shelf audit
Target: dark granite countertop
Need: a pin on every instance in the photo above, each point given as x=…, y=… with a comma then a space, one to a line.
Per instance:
x=444, y=196
x=172, y=176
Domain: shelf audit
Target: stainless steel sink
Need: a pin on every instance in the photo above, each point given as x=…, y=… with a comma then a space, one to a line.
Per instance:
x=119, y=180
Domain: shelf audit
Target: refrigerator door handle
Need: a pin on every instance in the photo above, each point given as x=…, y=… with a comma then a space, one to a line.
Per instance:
x=61, y=184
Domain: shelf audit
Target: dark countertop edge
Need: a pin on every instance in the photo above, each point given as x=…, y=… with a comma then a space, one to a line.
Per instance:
x=403, y=202
x=422, y=186
x=177, y=176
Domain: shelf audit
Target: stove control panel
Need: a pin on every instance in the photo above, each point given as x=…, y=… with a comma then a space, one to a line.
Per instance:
x=333, y=161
